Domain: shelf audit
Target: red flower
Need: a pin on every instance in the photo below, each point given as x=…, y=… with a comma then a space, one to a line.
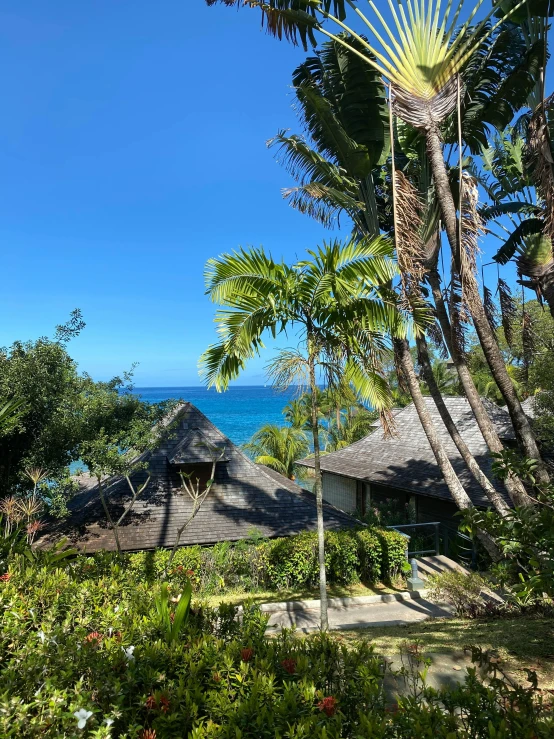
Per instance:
x=161, y=705
x=93, y=638
x=147, y=734
x=151, y=703
x=328, y=705
x=189, y=573
x=289, y=665
x=5, y=578
x=216, y=677
x=246, y=654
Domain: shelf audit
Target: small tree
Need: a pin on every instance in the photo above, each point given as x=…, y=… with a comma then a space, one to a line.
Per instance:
x=121, y=431
x=196, y=492
x=108, y=457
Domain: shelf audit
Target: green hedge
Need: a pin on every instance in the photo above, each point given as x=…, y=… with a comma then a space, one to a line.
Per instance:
x=365, y=555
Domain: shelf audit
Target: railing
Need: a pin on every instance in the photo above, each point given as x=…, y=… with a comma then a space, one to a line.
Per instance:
x=450, y=542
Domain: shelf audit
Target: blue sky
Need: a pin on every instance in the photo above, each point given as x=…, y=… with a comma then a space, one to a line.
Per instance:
x=133, y=149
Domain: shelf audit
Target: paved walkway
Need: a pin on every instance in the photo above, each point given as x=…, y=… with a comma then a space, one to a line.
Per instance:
x=401, y=611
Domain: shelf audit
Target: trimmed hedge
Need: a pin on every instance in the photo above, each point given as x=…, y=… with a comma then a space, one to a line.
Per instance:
x=365, y=555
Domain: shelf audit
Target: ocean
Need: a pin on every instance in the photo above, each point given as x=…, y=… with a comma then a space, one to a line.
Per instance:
x=238, y=413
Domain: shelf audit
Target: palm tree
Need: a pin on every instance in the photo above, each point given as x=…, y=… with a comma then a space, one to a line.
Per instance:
x=423, y=63
x=355, y=427
x=509, y=184
x=333, y=79
x=443, y=379
x=334, y=302
x=279, y=447
x=297, y=412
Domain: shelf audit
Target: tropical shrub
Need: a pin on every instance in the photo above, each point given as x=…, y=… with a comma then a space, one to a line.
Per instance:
x=89, y=657
x=352, y=555
x=463, y=590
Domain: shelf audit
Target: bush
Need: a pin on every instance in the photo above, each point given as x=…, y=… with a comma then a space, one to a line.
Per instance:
x=365, y=555
x=90, y=657
x=463, y=590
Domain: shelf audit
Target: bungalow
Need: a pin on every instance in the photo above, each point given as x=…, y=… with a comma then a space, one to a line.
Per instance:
x=244, y=497
x=403, y=467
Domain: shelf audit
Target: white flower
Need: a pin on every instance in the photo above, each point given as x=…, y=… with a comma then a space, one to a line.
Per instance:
x=82, y=717
x=108, y=721
x=129, y=656
x=42, y=636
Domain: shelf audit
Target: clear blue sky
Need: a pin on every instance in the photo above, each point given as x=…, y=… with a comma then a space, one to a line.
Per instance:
x=132, y=148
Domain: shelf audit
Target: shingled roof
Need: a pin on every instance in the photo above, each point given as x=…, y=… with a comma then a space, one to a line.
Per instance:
x=406, y=461
x=244, y=496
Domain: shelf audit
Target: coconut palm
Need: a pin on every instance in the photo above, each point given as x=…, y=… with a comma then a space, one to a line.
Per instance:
x=333, y=301
x=279, y=447
x=354, y=427
x=297, y=412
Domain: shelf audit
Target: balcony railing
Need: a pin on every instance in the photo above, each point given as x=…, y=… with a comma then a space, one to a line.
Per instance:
x=450, y=542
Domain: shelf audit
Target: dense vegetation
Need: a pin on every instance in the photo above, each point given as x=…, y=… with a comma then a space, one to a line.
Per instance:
x=367, y=555
x=114, y=656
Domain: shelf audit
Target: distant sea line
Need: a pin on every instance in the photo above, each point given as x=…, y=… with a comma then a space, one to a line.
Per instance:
x=238, y=413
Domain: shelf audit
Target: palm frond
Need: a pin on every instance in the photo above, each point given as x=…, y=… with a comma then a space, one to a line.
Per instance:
x=508, y=310
x=324, y=204
x=515, y=243
x=410, y=250
x=490, y=308
x=515, y=207
x=540, y=161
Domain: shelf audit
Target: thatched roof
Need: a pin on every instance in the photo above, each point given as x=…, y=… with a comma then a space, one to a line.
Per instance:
x=244, y=497
x=406, y=461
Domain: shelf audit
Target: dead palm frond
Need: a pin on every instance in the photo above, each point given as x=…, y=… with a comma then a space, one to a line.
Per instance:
x=471, y=226
x=540, y=162
x=410, y=250
x=490, y=307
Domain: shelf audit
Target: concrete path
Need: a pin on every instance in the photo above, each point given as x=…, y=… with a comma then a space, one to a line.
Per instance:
x=399, y=610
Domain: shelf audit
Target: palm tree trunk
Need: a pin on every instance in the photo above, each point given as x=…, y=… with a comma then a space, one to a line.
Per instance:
x=459, y=495
x=324, y=620
x=514, y=486
x=490, y=491
x=485, y=333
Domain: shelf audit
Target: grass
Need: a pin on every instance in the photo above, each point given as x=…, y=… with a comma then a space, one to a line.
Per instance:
x=333, y=591
x=521, y=643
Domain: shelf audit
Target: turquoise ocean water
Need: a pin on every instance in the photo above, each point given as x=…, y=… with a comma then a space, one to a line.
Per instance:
x=238, y=413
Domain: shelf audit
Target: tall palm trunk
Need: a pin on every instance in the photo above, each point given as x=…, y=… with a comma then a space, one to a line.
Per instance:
x=324, y=621
x=459, y=495
x=485, y=333
x=514, y=486
x=490, y=491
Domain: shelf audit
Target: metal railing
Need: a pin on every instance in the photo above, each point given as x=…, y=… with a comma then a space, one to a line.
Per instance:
x=450, y=542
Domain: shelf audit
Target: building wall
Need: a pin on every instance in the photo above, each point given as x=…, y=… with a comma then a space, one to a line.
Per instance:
x=339, y=491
